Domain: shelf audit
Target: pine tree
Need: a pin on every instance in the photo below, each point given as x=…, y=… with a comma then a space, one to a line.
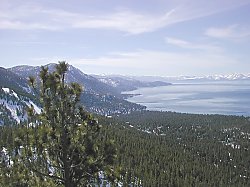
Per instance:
x=62, y=143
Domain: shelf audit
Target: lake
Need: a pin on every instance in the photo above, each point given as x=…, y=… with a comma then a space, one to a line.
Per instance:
x=228, y=97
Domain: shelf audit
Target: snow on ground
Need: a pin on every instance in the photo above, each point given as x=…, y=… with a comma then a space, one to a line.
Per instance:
x=36, y=108
x=11, y=92
x=12, y=108
x=14, y=93
x=6, y=90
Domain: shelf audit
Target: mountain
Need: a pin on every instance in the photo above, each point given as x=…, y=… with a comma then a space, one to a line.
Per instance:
x=15, y=97
x=90, y=83
x=230, y=77
x=13, y=106
x=125, y=83
x=97, y=97
x=11, y=80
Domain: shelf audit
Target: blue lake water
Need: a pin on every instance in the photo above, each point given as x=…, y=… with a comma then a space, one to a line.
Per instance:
x=230, y=98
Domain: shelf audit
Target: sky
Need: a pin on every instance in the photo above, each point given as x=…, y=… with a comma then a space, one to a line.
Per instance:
x=128, y=37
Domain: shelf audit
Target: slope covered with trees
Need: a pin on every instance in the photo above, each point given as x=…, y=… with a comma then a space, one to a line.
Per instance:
x=172, y=149
x=168, y=149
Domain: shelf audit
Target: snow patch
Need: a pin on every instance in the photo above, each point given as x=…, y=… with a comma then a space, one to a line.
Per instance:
x=16, y=106
x=12, y=108
x=14, y=93
x=6, y=90
x=109, y=82
x=37, y=109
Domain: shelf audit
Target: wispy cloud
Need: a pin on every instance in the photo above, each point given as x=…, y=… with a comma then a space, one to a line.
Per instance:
x=232, y=32
x=126, y=21
x=164, y=63
x=33, y=16
x=192, y=45
x=19, y=25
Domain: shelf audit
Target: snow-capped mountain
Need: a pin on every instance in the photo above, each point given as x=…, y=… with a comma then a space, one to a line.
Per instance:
x=172, y=79
x=217, y=77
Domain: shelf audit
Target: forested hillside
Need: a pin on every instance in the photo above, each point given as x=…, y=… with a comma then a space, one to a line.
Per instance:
x=172, y=149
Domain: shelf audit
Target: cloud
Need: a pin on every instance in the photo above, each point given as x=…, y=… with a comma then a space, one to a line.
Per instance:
x=18, y=25
x=35, y=16
x=178, y=42
x=232, y=32
x=126, y=21
x=143, y=62
x=192, y=45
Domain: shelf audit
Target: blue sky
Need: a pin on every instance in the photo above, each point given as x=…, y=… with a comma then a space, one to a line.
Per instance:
x=132, y=37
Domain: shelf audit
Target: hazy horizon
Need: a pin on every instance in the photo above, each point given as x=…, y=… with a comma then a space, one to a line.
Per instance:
x=128, y=75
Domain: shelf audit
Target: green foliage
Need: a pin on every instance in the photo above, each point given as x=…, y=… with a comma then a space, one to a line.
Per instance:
x=59, y=146
x=161, y=149
x=172, y=149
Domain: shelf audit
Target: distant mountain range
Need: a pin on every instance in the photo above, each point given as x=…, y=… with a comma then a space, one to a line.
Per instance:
x=217, y=77
x=231, y=77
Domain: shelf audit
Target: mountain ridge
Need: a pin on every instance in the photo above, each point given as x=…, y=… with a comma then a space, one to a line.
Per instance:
x=97, y=97
x=216, y=77
x=73, y=75
x=123, y=83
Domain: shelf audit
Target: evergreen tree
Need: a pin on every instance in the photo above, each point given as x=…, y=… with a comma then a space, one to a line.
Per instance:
x=62, y=143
